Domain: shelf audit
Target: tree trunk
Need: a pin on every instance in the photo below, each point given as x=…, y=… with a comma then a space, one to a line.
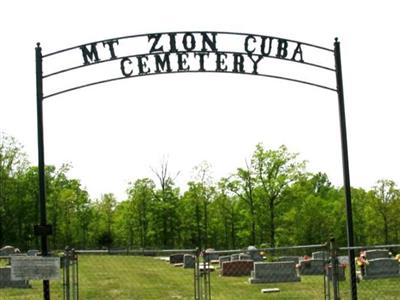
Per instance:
x=272, y=222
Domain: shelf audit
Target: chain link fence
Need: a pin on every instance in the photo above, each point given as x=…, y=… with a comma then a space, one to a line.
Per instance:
x=377, y=272
x=137, y=274
x=298, y=272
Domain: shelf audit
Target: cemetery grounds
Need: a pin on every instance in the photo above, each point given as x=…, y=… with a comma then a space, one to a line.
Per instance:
x=143, y=277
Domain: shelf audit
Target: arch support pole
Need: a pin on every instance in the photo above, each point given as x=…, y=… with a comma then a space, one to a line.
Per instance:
x=43, y=229
x=346, y=172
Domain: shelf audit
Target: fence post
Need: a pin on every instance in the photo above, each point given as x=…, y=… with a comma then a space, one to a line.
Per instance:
x=74, y=274
x=197, y=275
x=66, y=274
x=334, y=268
x=207, y=271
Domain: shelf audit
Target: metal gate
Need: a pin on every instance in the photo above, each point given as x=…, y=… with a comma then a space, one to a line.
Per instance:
x=69, y=264
x=202, y=283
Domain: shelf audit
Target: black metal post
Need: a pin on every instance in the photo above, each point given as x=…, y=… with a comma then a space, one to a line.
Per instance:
x=334, y=265
x=346, y=173
x=41, y=166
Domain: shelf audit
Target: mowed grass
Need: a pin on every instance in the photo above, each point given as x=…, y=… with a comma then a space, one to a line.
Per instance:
x=141, y=278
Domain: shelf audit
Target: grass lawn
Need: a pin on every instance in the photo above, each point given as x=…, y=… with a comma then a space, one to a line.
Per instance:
x=141, y=278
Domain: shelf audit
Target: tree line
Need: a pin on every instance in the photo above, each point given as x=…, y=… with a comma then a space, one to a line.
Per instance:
x=270, y=201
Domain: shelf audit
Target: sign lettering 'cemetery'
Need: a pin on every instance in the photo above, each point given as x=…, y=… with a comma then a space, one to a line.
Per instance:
x=193, y=52
x=187, y=52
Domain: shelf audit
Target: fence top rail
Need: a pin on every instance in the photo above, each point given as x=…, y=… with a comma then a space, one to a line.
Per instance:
x=269, y=249
x=138, y=251
x=370, y=247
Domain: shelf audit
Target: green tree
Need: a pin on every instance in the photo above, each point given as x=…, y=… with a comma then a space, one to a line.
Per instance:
x=384, y=199
x=13, y=162
x=275, y=171
x=166, y=204
x=106, y=207
x=227, y=215
x=141, y=201
x=243, y=185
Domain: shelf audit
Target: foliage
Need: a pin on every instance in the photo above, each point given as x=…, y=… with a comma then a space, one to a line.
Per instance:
x=270, y=201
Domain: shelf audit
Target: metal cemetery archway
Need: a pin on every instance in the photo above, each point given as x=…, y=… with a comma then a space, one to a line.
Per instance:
x=185, y=52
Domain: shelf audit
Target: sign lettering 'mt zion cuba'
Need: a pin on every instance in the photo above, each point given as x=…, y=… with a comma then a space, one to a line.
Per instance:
x=180, y=52
x=170, y=52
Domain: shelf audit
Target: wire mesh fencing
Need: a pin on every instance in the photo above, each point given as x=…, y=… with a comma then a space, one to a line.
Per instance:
x=298, y=272
x=137, y=274
x=377, y=272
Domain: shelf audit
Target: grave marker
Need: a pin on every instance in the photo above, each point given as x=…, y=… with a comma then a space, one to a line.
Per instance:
x=265, y=272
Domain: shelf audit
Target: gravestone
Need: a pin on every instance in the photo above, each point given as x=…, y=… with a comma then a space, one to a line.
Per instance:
x=6, y=282
x=188, y=261
x=312, y=267
x=222, y=259
x=341, y=272
x=210, y=255
x=206, y=267
x=289, y=258
x=176, y=258
x=265, y=272
x=254, y=253
x=32, y=252
x=377, y=253
x=237, y=268
x=320, y=255
x=243, y=256
x=235, y=257
x=7, y=251
x=381, y=268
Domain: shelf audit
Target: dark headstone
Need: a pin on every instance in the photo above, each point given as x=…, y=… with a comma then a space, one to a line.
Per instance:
x=6, y=282
x=176, y=258
x=237, y=268
x=188, y=261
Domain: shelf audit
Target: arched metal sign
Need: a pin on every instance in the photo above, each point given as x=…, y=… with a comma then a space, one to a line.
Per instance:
x=189, y=52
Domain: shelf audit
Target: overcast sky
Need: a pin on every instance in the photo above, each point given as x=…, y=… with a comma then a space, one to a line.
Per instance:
x=115, y=133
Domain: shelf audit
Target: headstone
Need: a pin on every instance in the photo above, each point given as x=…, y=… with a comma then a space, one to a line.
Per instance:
x=7, y=251
x=222, y=259
x=265, y=272
x=289, y=258
x=320, y=255
x=254, y=253
x=176, y=258
x=6, y=282
x=210, y=255
x=341, y=272
x=188, y=261
x=32, y=252
x=343, y=260
x=377, y=253
x=381, y=268
x=235, y=257
x=206, y=267
x=312, y=267
x=237, y=268
x=243, y=256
